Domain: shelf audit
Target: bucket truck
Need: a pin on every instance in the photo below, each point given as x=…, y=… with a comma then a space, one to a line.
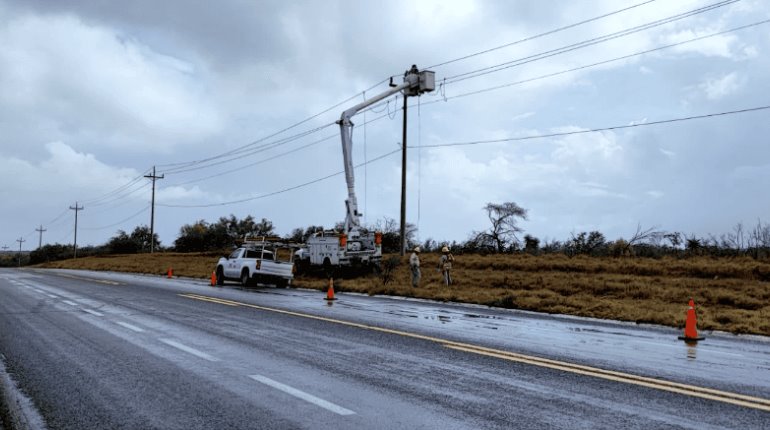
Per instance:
x=355, y=246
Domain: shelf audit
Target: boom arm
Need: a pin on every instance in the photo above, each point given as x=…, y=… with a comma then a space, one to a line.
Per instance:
x=352, y=221
x=415, y=83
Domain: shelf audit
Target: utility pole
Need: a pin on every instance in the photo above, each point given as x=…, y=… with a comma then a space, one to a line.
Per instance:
x=403, y=179
x=76, y=209
x=20, y=240
x=41, y=230
x=152, y=210
x=426, y=82
x=5, y=247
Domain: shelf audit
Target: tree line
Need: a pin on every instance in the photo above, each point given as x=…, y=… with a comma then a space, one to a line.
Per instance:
x=504, y=235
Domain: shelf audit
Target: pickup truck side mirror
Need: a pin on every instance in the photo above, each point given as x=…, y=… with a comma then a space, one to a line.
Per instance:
x=226, y=257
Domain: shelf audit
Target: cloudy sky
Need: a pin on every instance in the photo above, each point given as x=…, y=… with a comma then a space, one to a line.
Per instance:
x=93, y=94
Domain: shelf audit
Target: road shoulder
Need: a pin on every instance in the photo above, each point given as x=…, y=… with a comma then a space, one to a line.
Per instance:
x=16, y=410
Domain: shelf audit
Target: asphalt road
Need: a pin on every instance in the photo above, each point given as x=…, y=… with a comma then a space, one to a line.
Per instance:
x=96, y=350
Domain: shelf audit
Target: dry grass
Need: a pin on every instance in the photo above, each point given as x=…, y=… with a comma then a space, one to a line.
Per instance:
x=732, y=294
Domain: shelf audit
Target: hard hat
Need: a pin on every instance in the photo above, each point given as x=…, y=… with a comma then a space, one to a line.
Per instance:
x=445, y=249
x=416, y=249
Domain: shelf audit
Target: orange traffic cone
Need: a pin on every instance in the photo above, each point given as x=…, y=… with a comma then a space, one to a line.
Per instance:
x=170, y=273
x=213, y=279
x=690, y=330
x=330, y=291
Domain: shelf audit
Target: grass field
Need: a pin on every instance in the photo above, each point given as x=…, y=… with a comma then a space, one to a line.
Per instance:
x=732, y=294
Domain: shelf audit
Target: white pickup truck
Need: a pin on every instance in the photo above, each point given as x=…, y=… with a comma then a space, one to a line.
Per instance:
x=258, y=262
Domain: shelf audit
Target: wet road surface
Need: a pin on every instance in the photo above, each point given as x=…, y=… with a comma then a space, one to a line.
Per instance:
x=99, y=350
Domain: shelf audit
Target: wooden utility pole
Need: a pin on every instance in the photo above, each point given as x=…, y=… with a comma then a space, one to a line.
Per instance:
x=76, y=209
x=403, y=179
x=40, y=230
x=20, y=240
x=152, y=210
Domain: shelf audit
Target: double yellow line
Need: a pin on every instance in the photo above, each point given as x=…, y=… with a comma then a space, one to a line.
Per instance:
x=81, y=278
x=610, y=375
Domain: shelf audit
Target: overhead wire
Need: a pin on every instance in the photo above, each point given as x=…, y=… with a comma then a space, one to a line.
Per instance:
x=72, y=230
x=565, y=49
x=141, y=211
x=277, y=133
x=537, y=36
x=596, y=130
x=476, y=142
x=240, y=155
x=122, y=197
x=624, y=57
x=243, y=149
x=261, y=196
x=271, y=158
x=583, y=44
x=117, y=190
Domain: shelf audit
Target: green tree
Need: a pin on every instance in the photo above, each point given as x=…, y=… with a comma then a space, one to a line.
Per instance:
x=142, y=237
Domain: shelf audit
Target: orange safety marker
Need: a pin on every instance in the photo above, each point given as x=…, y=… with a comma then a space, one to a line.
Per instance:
x=170, y=272
x=213, y=279
x=690, y=329
x=330, y=291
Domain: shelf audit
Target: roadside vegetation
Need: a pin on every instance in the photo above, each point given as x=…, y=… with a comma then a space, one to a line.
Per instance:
x=646, y=277
x=732, y=293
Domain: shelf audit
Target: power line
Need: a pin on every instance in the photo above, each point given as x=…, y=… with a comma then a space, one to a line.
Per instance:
x=476, y=142
x=574, y=69
x=264, y=160
x=248, y=199
x=583, y=44
x=596, y=130
x=118, y=190
x=181, y=166
x=233, y=156
x=297, y=124
x=64, y=212
x=122, y=197
x=568, y=48
x=141, y=211
x=65, y=236
x=547, y=33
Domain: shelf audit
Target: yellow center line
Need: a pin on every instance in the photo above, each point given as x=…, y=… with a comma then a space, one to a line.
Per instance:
x=627, y=378
x=79, y=278
x=210, y=299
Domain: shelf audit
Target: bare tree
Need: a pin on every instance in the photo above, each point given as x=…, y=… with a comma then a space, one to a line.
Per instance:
x=649, y=235
x=504, y=217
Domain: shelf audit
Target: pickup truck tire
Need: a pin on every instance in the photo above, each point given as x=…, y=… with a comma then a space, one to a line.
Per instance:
x=281, y=283
x=220, y=276
x=245, y=278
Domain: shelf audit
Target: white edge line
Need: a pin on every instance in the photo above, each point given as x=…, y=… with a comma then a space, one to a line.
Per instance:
x=187, y=349
x=303, y=395
x=129, y=326
x=69, y=303
x=52, y=296
x=98, y=314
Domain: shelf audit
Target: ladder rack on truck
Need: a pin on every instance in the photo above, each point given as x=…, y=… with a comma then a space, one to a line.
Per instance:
x=259, y=260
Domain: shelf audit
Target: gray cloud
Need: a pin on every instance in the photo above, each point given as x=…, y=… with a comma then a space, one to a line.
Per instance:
x=95, y=93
